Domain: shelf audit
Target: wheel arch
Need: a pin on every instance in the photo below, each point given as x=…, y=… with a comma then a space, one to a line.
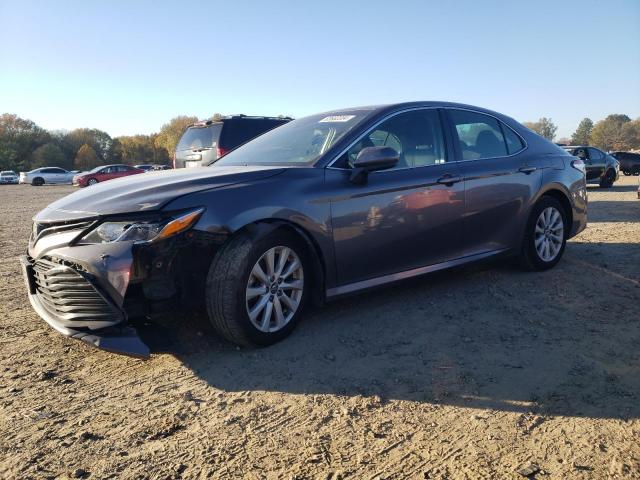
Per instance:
x=260, y=228
x=558, y=192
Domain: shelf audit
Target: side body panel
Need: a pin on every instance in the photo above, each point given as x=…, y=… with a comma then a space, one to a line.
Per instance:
x=297, y=196
x=399, y=220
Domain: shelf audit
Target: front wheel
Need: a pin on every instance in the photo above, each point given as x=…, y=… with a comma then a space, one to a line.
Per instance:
x=608, y=179
x=256, y=288
x=92, y=181
x=545, y=236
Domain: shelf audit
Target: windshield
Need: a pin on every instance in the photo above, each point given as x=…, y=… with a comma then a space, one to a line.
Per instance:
x=196, y=138
x=299, y=143
x=7, y=172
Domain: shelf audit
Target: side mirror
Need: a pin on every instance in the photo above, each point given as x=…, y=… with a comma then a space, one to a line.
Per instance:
x=371, y=159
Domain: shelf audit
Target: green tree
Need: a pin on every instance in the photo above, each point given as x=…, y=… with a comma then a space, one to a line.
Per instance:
x=86, y=158
x=137, y=149
x=97, y=139
x=171, y=132
x=18, y=138
x=49, y=155
x=582, y=133
x=608, y=134
x=543, y=127
x=631, y=134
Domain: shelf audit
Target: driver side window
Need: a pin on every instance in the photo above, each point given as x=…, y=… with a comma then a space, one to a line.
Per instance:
x=416, y=136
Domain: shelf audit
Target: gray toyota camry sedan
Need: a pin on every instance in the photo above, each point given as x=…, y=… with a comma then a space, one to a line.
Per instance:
x=320, y=207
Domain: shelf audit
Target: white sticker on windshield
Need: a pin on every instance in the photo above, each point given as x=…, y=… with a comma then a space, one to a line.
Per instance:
x=337, y=118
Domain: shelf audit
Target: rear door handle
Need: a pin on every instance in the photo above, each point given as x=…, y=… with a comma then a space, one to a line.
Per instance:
x=449, y=180
x=527, y=169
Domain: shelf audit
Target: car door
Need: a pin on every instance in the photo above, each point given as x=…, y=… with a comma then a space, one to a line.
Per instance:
x=501, y=178
x=597, y=163
x=59, y=175
x=49, y=175
x=120, y=171
x=402, y=218
x=107, y=173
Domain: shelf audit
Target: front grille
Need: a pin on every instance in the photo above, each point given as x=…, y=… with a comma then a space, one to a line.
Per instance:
x=68, y=295
x=41, y=229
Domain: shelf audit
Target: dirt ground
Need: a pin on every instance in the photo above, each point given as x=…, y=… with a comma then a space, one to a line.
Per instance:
x=484, y=372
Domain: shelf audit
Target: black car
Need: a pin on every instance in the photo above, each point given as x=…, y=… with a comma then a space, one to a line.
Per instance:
x=204, y=142
x=629, y=162
x=602, y=168
x=321, y=207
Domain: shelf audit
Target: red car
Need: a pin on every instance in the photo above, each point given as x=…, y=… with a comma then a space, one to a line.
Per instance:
x=104, y=173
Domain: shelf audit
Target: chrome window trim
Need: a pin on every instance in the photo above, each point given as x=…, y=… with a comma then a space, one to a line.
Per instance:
x=391, y=115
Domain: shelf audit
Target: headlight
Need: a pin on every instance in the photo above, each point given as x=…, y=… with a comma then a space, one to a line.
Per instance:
x=142, y=231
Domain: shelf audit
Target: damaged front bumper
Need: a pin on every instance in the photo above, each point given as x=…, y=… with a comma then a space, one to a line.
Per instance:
x=67, y=296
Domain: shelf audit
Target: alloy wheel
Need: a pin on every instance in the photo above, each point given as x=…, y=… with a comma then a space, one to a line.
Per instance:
x=274, y=289
x=549, y=234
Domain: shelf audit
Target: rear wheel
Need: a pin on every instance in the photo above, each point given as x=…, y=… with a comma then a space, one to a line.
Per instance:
x=256, y=288
x=92, y=181
x=545, y=236
x=37, y=182
x=607, y=180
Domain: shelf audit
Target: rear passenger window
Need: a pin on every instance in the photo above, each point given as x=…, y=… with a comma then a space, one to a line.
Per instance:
x=514, y=142
x=595, y=154
x=238, y=131
x=479, y=136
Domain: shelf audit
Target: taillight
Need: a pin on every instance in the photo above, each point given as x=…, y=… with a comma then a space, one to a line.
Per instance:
x=221, y=151
x=578, y=165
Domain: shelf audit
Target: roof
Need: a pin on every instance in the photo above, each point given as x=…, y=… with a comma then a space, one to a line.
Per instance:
x=204, y=123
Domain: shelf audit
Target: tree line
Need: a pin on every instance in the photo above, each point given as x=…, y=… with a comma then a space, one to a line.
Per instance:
x=24, y=145
x=616, y=132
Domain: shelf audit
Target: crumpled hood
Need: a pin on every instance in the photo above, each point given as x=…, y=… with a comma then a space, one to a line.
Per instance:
x=148, y=191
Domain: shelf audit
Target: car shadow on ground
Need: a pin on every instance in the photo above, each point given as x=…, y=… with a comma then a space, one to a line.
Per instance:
x=614, y=188
x=613, y=211
x=486, y=337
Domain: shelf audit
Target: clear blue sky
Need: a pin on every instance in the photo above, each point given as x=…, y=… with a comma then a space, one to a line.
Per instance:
x=129, y=66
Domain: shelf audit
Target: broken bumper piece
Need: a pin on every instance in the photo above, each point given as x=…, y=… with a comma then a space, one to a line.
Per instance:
x=70, y=302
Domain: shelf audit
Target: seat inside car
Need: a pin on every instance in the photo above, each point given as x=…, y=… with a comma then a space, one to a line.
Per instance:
x=488, y=145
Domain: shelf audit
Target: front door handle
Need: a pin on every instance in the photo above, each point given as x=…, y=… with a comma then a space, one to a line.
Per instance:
x=527, y=169
x=449, y=179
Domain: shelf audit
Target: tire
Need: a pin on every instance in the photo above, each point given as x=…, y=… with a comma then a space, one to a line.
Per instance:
x=231, y=281
x=37, y=182
x=607, y=180
x=627, y=172
x=91, y=181
x=530, y=256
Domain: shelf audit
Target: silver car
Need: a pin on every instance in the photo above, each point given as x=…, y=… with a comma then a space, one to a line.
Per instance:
x=8, y=177
x=51, y=175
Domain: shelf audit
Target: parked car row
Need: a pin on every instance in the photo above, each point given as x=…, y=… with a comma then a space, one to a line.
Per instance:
x=57, y=175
